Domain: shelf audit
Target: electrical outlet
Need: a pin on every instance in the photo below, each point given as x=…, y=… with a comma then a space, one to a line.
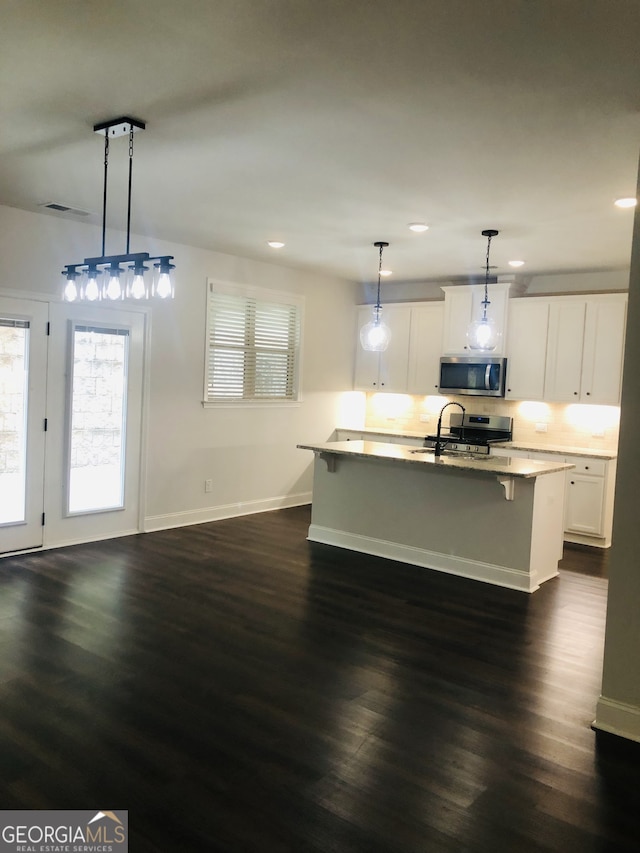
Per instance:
x=598, y=432
x=541, y=427
x=424, y=419
x=208, y=485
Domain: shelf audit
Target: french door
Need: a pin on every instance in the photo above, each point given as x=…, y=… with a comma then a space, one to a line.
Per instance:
x=23, y=362
x=77, y=423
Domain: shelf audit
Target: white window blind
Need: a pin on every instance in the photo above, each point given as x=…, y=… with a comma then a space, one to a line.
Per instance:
x=253, y=345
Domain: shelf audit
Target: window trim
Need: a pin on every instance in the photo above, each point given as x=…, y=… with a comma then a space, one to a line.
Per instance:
x=262, y=295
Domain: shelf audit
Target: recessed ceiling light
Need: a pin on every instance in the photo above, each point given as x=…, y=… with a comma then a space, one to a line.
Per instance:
x=418, y=226
x=626, y=202
x=516, y=263
x=386, y=272
x=275, y=244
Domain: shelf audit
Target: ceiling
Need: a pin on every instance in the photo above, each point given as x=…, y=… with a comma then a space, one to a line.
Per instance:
x=329, y=124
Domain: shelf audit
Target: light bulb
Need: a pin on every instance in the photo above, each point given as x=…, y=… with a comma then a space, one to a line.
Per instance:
x=375, y=335
x=92, y=291
x=163, y=287
x=482, y=335
x=138, y=289
x=114, y=290
x=70, y=291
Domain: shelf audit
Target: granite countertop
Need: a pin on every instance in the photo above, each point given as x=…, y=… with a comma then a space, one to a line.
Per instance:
x=560, y=449
x=500, y=465
x=512, y=445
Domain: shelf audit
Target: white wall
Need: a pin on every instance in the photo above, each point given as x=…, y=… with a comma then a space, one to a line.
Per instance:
x=249, y=453
x=619, y=704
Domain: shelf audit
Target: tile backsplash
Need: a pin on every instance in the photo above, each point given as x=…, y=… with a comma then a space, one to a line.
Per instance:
x=594, y=427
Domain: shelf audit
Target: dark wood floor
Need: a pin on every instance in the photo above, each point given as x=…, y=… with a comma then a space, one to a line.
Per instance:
x=237, y=688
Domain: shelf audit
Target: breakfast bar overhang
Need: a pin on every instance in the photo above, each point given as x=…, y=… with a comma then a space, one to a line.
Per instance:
x=494, y=519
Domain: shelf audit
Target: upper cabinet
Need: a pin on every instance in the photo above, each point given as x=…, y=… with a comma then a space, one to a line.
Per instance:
x=566, y=349
x=603, y=350
x=585, y=347
x=462, y=305
x=425, y=347
x=388, y=370
x=411, y=362
x=527, y=348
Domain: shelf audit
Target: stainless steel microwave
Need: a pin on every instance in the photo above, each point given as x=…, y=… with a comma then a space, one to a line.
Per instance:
x=480, y=376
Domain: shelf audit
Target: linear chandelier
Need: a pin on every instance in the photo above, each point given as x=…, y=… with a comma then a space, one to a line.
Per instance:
x=116, y=277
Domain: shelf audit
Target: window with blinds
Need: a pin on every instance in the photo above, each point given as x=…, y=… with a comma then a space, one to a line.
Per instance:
x=253, y=344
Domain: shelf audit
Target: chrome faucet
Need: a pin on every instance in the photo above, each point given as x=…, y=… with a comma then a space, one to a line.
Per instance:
x=440, y=445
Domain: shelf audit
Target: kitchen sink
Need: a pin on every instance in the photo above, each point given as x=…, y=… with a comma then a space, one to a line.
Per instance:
x=451, y=454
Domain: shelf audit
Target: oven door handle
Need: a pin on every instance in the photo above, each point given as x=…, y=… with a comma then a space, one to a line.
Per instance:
x=487, y=378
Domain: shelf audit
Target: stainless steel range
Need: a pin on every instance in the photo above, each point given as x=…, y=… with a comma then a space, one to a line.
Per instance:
x=473, y=433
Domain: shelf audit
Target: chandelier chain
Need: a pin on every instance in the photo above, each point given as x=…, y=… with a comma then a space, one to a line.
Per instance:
x=129, y=189
x=485, y=301
x=104, y=192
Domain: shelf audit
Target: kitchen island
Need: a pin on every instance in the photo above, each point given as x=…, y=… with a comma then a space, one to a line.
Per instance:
x=497, y=520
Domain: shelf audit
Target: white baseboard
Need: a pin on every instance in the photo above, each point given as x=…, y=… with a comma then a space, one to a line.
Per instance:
x=618, y=718
x=217, y=513
x=487, y=572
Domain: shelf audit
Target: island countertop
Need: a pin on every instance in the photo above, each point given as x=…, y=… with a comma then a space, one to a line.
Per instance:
x=505, y=466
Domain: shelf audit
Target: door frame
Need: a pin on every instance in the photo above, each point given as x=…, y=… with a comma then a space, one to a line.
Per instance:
x=145, y=313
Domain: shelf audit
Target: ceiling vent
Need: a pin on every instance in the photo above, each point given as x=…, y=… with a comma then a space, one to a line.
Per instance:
x=64, y=208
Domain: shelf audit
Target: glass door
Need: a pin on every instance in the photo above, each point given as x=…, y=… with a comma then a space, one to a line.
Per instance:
x=95, y=423
x=23, y=360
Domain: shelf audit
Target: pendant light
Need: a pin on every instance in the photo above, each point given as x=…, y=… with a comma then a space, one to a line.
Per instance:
x=104, y=277
x=375, y=335
x=482, y=334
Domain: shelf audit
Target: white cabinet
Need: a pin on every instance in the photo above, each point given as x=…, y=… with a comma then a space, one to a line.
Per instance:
x=458, y=302
x=585, y=349
x=425, y=347
x=527, y=348
x=603, y=350
x=462, y=304
x=388, y=370
x=564, y=350
x=584, y=508
x=589, y=496
x=589, y=500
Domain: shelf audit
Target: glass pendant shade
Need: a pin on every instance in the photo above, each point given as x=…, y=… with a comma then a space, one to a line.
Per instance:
x=375, y=335
x=482, y=335
x=137, y=287
x=91, y=290
x=70, y=288
x=163, y=284
x=113, y=288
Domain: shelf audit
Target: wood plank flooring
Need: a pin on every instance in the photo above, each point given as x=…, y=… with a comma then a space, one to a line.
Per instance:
x=237, y=688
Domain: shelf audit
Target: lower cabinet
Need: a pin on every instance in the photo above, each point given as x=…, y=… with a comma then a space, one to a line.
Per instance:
x=584, y=512
x=588, y=514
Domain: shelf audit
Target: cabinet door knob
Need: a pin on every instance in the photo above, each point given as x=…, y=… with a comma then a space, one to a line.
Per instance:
x=575, y=393
x=588, y=393
x=586, y=467
x=573, y=483
x=509, y=390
